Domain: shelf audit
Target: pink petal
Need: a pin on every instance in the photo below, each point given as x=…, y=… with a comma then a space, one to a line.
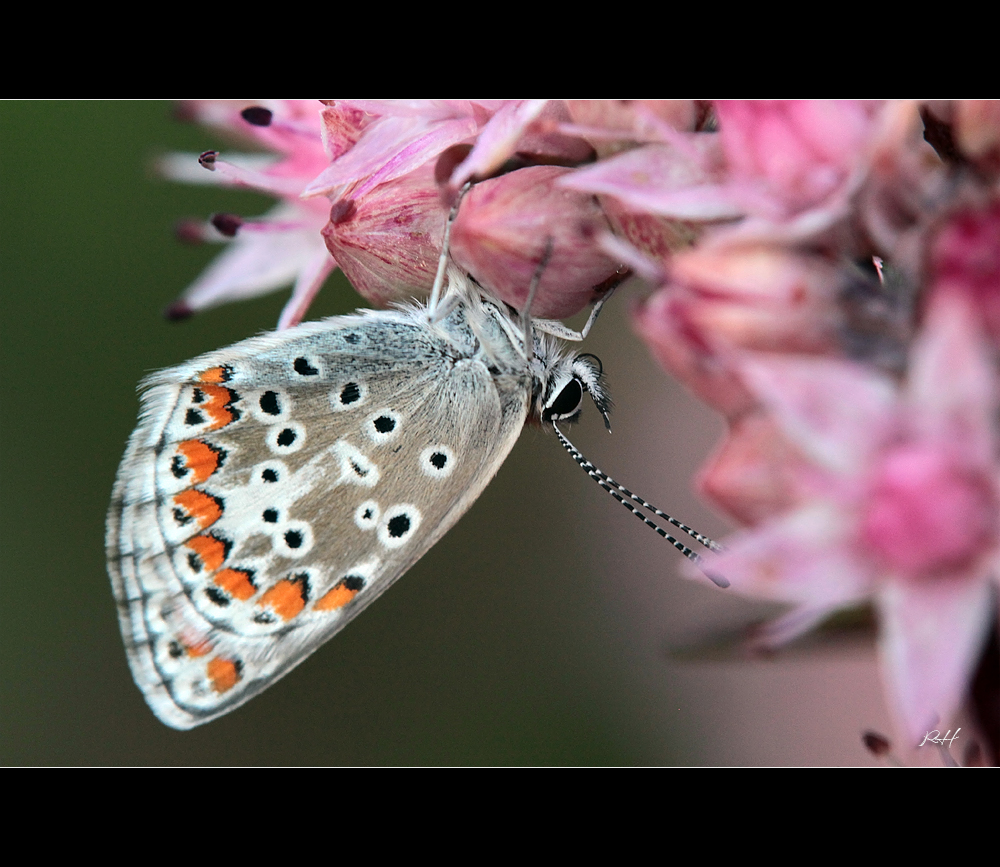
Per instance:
x=836, y=412
x=428, y=109
x=662, y=179
x=952, y=380
x=640, y=175
x=681, y=345
x=308, y=283
x=342, y=127
x=497, y=140
x=755, y=473
x=761, y=296
x=655, y=237
x=256, y=263
x=388, y=149
x=799, y=151
x=805, y=558
x=620, y=120
x=926, y=512
x=964, y=258
x=931, y=636
x=778, y=632
x=977, y=124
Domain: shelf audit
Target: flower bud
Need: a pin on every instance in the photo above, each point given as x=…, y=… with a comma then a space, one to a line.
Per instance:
x=504, y=227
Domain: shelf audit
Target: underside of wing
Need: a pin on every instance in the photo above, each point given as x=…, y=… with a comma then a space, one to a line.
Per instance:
x=274, y=489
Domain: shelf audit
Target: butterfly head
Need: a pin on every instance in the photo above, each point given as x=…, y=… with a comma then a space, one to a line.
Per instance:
x=565, y=382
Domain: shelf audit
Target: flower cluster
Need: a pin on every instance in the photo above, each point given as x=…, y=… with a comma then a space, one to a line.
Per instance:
x=826, y=274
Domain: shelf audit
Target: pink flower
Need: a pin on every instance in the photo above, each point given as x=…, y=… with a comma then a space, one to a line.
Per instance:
x=899, y=505
x=359, y=189
x=283, y=246
x=789, y=156
x=793, y=162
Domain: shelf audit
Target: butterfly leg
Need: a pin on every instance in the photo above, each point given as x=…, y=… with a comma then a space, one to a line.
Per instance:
x=557, y=329
x=432, y=305
x=536, y=278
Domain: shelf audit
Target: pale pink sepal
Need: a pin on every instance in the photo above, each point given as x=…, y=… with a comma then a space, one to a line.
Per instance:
x=256, y=263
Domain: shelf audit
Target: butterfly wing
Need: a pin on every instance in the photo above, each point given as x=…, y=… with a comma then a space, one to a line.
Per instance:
x=274, y=489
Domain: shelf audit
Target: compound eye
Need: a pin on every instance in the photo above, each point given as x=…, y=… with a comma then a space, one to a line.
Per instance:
x=566, y=403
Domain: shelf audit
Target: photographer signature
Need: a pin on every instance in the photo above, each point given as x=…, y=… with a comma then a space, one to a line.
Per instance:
x=934, y=737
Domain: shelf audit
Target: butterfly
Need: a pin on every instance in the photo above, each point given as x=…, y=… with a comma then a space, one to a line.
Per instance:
x=274, y=489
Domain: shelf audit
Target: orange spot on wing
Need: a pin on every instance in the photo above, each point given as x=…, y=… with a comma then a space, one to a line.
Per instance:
x=236, y=582
x=224, y=673
x=217, y=405
x=336, y=598
x=204, y=508
x=286, y=598
x=210, y=550
x=216, y=374
x=200, y=458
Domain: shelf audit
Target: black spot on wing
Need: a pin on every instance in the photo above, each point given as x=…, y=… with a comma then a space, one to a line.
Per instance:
x=217, y=596
x=353, y=582
x=399, y=526
x=269, y=403
x=304, y=368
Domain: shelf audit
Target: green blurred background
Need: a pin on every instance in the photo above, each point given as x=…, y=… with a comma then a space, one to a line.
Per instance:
x=536, y=632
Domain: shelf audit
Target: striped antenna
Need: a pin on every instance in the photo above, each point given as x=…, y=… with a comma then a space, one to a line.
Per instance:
x=623, y=495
